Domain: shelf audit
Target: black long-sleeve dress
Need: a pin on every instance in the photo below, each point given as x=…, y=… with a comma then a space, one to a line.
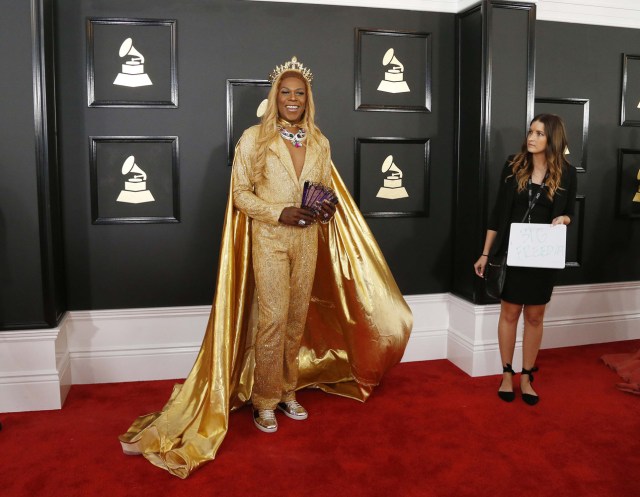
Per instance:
x=529, y=286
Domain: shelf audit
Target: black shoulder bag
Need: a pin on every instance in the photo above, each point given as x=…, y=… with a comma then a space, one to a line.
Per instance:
x=495, y=271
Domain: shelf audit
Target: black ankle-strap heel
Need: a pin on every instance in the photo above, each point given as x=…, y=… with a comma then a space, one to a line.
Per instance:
x=507, y=396
x=532, y=400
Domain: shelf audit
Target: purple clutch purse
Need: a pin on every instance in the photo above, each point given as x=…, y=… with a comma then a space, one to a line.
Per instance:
x=313, y=193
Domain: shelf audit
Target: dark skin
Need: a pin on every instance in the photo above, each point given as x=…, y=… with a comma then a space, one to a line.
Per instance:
x=292, y=98
x=291, y=215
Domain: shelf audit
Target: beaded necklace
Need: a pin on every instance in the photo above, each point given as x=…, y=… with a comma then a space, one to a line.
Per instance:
x=296, y=138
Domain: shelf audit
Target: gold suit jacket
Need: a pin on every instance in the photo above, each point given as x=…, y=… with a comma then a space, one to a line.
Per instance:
x=357, y=327
x=279, y=186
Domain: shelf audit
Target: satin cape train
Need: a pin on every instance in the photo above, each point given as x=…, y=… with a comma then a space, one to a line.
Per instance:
x=357, y=327
x=628, y=368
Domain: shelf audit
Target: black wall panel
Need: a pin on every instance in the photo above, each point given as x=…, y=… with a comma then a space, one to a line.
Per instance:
x=471, y=145
x=116, y=266
x=48, y=172
x=21, y=293
x=495, y=100
x=575, y=60
x=511, y=104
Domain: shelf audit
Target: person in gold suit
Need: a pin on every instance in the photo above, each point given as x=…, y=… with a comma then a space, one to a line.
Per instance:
x=304, y=297
x=274, y=160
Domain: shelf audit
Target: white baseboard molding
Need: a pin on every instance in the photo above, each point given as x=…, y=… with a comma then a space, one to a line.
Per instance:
x=135, y=344
x=35, y=370
x=576, y=315
x=428, y=338
x=37, y=367
x=585, y=314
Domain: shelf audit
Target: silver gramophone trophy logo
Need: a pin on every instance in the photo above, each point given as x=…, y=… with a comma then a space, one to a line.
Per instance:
x=132, y=74
x=135, y=186
x=392, y=187
x=393, y=81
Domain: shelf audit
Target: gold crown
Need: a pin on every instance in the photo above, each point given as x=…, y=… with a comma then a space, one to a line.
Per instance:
x=291, y=65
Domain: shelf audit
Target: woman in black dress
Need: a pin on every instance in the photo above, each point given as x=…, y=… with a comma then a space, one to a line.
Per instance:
x=539, y=167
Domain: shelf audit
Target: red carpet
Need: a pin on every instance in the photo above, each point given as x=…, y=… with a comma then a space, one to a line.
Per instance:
x=429, y=430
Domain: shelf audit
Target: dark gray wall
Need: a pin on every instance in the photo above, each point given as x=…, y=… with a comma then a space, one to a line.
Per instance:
x=574, y=60
x=174, y=264
x=20, y=277
x=116, y=266
x=471, y=145
x=31, y=268
x=495, y=101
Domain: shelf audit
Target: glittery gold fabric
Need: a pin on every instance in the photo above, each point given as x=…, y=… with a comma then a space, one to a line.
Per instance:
x=284, y=259
x=356, y=327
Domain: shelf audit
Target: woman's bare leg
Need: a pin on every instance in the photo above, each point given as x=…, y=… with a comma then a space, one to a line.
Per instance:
x=507, y=324
x=533, y=328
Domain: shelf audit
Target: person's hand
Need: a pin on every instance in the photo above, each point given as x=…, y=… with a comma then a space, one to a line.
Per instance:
x=326, y=211
x=560, y=220
x=297, y=216
x=480, y=265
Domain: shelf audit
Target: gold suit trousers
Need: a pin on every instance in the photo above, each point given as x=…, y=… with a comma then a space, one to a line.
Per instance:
x=284, y=263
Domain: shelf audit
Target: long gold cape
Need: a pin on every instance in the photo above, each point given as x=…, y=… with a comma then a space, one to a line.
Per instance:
x=357, y=328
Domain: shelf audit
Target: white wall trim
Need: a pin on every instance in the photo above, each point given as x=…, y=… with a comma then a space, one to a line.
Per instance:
x=38, y=366
x=428, y=338
x=417, y=5
x=108, y=346
x=616, y=13
x=34, y=369
x=576, y=315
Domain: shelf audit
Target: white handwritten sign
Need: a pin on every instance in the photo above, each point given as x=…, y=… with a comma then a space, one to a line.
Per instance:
x=537, y=245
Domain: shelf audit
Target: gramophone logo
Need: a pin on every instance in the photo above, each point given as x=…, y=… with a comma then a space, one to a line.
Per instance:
x=393, y=81
x=135, y=186
x=132, y=74
x=392, y=187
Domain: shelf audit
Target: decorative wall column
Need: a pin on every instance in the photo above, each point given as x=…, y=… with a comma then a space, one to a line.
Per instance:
x=31, y=261
x=34, y=359
x=46, y=165
x=495, y=79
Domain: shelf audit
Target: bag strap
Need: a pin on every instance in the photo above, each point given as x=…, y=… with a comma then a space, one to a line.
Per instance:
x=532, y=202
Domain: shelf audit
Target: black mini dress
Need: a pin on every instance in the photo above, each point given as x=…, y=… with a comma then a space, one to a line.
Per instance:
x=524, y=285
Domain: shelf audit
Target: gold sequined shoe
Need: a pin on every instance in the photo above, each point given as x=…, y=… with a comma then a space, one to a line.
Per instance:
x=265, y=420
x=293, y=410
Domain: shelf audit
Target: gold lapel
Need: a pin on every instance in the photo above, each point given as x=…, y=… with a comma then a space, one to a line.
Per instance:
x=310, y=159
x=280, y=149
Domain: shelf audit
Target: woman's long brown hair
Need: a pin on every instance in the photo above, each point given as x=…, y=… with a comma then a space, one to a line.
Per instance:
x=522, y=163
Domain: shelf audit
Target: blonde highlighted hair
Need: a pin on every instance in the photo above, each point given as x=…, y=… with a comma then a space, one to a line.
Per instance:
x=522, y=163
x=269, y=132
